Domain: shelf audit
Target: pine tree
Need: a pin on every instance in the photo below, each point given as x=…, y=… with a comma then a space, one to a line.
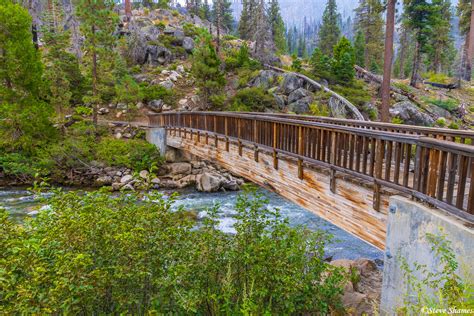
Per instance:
x=417, y=14
x=388, y=56
x=343, y=62
x=466, y=14
x=24, y=118
x=227, y=19
x=329, y=32
x=359, y=49
x=277, y=26
x=98, y=23
x=369, y=21
x=440, y=43
x=62, y=71
x=321, y=64
x=245, y=23
x=206, y=69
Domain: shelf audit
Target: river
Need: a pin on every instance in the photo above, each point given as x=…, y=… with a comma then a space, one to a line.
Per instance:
x=19, y=202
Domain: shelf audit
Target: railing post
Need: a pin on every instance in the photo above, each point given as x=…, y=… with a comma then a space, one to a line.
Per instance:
x=300, y=152
x=239, y=127
x=275, y=155
x=255, y=136
x=226, y=134
x=206, y=128
x=379, y=154
x=216, y=139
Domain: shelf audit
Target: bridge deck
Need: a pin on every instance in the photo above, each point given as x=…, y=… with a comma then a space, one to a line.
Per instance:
x=410, y=161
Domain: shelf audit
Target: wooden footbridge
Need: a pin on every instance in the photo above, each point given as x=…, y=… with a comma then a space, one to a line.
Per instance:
x=342, y=170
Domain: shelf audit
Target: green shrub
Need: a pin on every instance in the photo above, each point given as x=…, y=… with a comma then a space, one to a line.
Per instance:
x=319, y=109
x=157, y=92
x=356, y=92
x=438, y=78
x=448, y=104
x=217, y=100
x=135, y=154
x=397, y=120
x=21, y=166
x=453, y=125
x=128, y=254
x=252, y=100
x=441, y=122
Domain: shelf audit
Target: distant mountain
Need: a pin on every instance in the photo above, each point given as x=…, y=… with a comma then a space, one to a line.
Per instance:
x=294, y=11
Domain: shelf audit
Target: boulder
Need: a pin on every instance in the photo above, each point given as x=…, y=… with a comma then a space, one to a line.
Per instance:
x=168, y=84
x=298, y=94
x=265, y=79
x=126, y=179
x=180, y=69
x=411, y=114
x=158, y=55
x=179, y=168
x=155, y=105
x=144, y=174
x=116, y=186
x=280, y=101
x=209, y=182
x=231, y=185
x=290, y=83
x=301, y=106
x=103, y=111
x=150, y=32
x=188, y=44
x=104, y=180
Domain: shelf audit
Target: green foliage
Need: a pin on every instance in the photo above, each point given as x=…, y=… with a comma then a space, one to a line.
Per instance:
x=128, y=91
x=252, y=100
x=206, y=69
x=240, y=59
x=397, y=120
x=20, y=166
x=359, y=49
x=296, y=64
x=94, y=253
x=277, y=27
x=453, y=125
x=343, y=61
x=441, y=122
x=134, y=153
x=317, y=109
x=438, y=78
x=442, y=289
x=157, y=92
x=356, y=92
x=447, y=104
x=329, y=33
x=321, y=64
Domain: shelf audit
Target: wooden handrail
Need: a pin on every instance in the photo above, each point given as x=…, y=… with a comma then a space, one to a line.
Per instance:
x=433, y=170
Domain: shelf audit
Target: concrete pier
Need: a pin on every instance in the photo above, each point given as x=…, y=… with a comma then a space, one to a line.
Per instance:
x=157, y=137
x=408, y=224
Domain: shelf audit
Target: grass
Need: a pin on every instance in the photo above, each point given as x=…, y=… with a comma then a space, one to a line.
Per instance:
x=447, y=104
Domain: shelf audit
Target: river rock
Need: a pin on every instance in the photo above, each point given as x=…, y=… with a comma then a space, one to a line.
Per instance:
x=168, y=84
x=298, y=94
x=209, y=182
x=411, y=114
x=126, y=179
x=182, y=168
x=231, y=185
x=158, y=55
x=104, y=180
x=144, y=174
x=290, y=83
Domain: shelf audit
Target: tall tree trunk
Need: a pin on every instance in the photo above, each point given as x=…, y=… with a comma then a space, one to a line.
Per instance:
x=94, y=80
x=388, y=57
x=218, y=24
x=470, y=46
x=416, y=65
x=403, y=53
x=128, y=9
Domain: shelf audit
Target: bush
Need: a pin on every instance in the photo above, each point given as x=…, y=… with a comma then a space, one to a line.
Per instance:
x=134, y=153
x=438, y=78
x=96, y=254
x=252, y=100
x=319, y=109
x=157, y=92
x=21, y=166
x=356, y=92
x=448, y=104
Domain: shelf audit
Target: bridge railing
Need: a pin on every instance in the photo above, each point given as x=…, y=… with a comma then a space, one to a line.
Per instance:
x=435, y=171
x=459, y=136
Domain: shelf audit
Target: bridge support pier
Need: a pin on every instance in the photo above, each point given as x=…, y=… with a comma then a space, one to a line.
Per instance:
x=409, y=224
x=157, y=136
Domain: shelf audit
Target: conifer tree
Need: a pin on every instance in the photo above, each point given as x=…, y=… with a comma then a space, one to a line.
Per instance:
x=343, y=62
x=245, y=23
x=277, y=26
x=225, y=12
x=388, y=56
x=321, y=64
x=24, y=117
x=465, y=13
x=369, y=21
x=206, y=69
x=329, y=32
x=359, y=49
x=98, y=23
x=440, y=43
x=418, y=14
